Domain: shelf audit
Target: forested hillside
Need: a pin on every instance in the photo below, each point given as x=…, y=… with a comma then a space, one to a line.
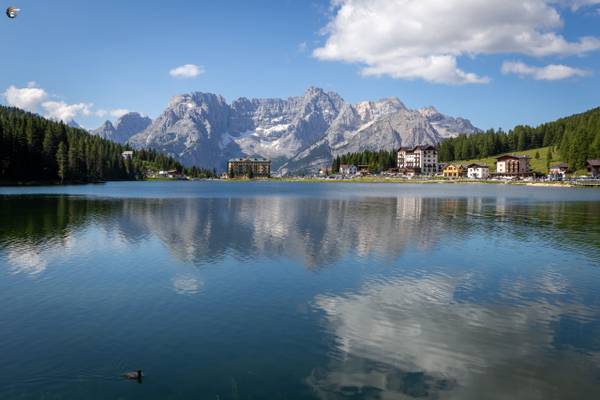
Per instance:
x=34, y=149
x=376, y=161
x=576, y=138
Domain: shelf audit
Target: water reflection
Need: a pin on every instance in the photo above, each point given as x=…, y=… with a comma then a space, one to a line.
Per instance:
x=411, y=338
x=403, y=296
x=312, y=231
x=187, y=284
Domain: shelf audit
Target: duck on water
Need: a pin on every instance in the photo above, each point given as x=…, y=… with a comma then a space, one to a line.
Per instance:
x=134, y=375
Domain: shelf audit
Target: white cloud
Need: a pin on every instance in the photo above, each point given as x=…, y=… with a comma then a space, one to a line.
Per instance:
x=28, y=98
x=116, y=113
x=423, y=39
x=187, y=71
x=553, y=72
x=119, y=112
x=577, y=4
x=61, y=111
x=35, y=99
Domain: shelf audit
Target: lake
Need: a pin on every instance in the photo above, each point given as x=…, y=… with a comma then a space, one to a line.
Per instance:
x=299, y=291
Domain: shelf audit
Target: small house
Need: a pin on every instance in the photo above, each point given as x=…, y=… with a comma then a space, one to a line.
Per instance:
x=455, y=171
x=478, y=171
x=348, y=169
x=593, y=167
x=127, y=155
x=558, y=172
x=513, y=165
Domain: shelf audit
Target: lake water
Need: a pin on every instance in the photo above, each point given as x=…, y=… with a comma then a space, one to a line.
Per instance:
x=299, y=291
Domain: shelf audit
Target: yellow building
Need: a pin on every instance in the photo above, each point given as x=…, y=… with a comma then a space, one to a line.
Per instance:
x=249, y=167
x=455, y=171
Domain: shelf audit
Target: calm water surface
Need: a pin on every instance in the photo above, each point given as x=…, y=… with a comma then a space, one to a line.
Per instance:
x=299, y=291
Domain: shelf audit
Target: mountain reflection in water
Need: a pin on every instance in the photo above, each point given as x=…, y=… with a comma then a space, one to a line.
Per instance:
x=318, y=296
x=317, y=232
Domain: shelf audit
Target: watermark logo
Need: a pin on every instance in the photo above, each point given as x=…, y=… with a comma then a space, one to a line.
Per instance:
x=12, y=12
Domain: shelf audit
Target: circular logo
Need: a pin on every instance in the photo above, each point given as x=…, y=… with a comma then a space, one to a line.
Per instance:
x=12, y=12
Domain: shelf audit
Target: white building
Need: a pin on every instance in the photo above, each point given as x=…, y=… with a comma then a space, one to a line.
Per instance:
x=127, y=155
x=347, y=169
x=478, y=171
x=558, y=172
x=418, y=160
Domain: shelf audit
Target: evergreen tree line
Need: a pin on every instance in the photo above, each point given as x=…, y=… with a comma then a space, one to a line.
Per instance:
x=33, y=148
x=576, y=138
x=376, y=161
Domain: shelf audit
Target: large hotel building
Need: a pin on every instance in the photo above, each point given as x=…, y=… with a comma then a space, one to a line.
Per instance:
x=255, y=167
x=419, y=160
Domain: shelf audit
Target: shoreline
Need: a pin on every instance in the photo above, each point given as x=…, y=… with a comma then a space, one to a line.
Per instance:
x=365, y=180
x=400, y=181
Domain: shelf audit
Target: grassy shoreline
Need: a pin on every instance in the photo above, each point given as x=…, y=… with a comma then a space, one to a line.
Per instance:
x=363, y=180
x=379, y=180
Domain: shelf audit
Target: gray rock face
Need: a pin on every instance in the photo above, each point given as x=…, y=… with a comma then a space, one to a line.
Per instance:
x=298, y=134
x=447, y=126
x=125, y=127
x=73, y=124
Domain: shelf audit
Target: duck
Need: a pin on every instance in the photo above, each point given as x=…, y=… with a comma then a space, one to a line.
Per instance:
x=134, y=375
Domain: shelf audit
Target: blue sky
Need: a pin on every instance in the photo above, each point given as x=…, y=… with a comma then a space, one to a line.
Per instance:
x=89, y=59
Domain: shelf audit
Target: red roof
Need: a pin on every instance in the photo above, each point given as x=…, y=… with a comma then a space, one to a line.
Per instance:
x=594, y=163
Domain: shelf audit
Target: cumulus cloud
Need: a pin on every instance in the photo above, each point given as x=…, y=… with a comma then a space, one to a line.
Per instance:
x=61, y=111
x=187, y=71
x=116, y=113
x=28, y=98
x=553, y=72
x=35, y=99
x=577, y=4
x=119, y=112
x=424, y=39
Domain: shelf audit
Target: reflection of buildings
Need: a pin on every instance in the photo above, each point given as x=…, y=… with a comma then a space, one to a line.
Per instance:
x=316, y=232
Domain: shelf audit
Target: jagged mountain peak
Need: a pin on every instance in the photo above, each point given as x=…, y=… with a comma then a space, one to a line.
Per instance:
x=196, y=99
x=74, y=124
x=429, y=111
x=108, y=124
x=124, y=128
x=369, y=110
x=299, y=132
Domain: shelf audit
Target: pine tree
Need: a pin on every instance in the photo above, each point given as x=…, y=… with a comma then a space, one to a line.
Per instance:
x=61, y=161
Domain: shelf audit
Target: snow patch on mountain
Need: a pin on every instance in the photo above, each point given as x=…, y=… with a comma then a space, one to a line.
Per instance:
x=300, y=134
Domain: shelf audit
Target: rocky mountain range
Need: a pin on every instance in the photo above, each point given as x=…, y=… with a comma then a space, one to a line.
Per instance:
x=124, y=128
x=299, y=134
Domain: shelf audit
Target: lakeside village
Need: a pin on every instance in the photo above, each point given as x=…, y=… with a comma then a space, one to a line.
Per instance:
x=418, y=163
